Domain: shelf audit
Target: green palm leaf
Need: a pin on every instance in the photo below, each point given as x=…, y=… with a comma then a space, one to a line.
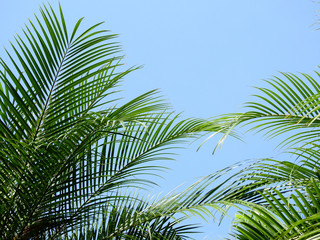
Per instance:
x=67, y=149
x=293, y=217
x=287, y=106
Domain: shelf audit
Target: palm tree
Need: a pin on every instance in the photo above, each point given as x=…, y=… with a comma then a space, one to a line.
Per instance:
x=282, y=196
x=74, y=162
x=72, y=158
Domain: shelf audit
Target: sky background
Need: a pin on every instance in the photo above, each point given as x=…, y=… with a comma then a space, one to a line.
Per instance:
x=205, y=56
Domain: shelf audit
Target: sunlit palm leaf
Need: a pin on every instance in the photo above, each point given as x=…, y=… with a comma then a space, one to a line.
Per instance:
x=62, y=157
x=285, y=106
x=130, y=219
x=294, y=217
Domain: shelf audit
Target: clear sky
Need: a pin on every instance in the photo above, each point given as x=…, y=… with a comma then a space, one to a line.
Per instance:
x=204, y=55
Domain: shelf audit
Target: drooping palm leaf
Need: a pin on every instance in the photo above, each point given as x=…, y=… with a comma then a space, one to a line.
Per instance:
x=288, y=105
x=135, y=217
x=66, y=148
x=293, y=217
x=130, y=218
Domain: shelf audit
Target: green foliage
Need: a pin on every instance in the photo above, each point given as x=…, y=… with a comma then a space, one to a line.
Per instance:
x=283, y=197
x=71, y=155
x=73, y=160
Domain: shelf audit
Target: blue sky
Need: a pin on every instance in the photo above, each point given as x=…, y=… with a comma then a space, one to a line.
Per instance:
x=204, y=55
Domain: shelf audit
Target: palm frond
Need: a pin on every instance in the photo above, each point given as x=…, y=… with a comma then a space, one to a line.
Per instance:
x=287, y=106
x=293, y=217
x=130, y=218
x=66, y=147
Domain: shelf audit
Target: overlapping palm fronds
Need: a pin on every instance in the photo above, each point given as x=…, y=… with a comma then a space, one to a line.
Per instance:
x=69, y=153
x=281, y=196
x=289, y=105
x=293, y=217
